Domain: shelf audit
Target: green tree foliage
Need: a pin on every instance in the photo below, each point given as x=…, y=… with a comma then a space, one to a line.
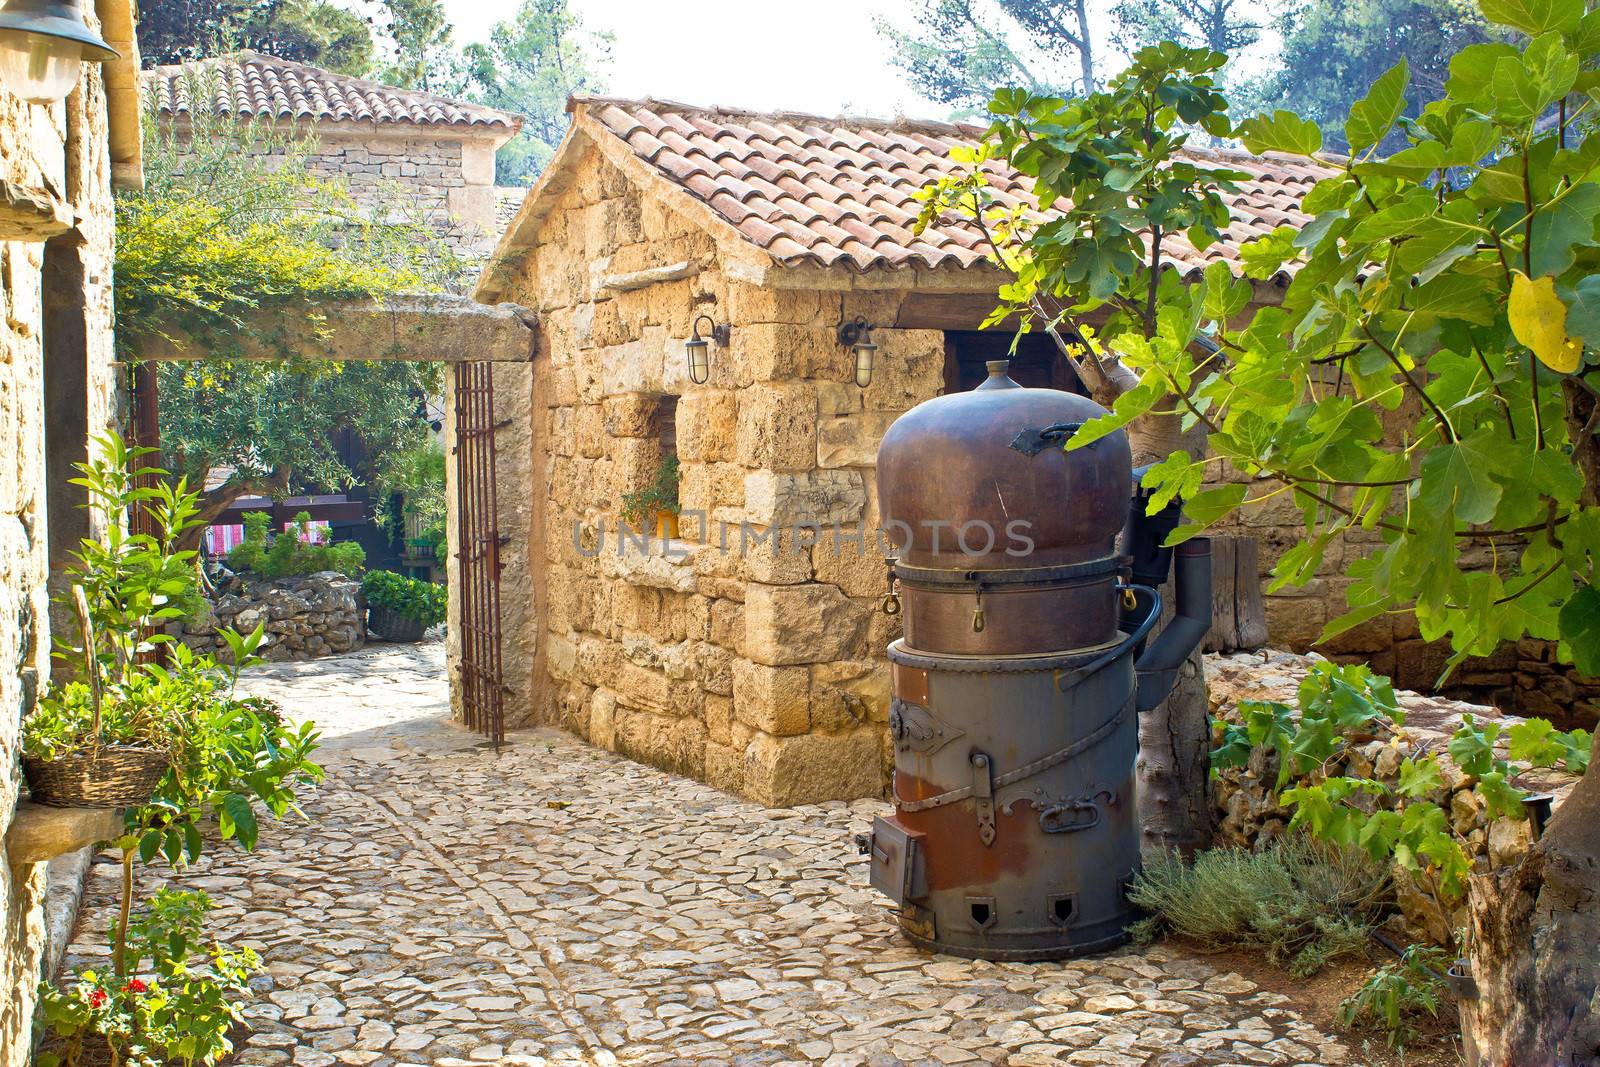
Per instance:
x=532, y=63
x=306, y=31
x=229, y=222
x=1334, y=49
x=958, y=52
x=419, y=33
x=1220, y=25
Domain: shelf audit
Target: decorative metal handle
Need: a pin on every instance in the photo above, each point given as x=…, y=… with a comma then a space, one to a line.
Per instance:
x=1140, y=632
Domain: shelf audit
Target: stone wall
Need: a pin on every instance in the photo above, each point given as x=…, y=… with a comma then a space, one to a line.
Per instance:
x=1522, y=678
x=1248, y=816
x=59, y=151
x=316, y=615
x=758, y=669
x=442, y=176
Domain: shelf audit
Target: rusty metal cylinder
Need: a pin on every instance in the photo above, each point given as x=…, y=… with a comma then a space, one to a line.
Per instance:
x=1014, y=711
x=1014, y=804
x=1006, y=543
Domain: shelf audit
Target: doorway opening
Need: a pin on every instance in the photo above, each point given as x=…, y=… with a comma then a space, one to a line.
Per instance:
x=1036, y=364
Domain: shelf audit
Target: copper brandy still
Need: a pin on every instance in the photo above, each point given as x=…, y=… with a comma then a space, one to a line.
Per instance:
x=1025, y=661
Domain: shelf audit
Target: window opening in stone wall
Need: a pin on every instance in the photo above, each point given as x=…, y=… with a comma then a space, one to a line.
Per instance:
x=651, y=505
x=1036, y=364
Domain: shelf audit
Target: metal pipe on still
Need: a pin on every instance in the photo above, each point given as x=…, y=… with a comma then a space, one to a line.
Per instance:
x=1020, y=676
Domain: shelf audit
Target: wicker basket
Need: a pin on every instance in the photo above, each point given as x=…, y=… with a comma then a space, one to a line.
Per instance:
x=102, y=775
x=110, y=776
x=388, y=625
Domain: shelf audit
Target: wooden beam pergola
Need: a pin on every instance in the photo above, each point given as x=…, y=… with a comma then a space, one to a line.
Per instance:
x=414, y=327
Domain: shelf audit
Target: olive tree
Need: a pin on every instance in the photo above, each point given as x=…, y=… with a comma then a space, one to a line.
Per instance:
x=1427, y=393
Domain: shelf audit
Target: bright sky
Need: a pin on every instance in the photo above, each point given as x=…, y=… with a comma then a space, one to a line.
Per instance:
x=822, y=56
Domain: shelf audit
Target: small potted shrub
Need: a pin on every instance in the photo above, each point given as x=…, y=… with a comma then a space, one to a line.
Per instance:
x=655, y=507
x=102, y=737
x=401, y=608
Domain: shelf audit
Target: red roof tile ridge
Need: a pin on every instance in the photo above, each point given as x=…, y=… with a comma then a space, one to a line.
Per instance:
x=315, y=84
x=899, y=123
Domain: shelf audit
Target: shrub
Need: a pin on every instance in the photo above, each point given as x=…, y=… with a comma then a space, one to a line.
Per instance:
x=180, y=1010
x=409, y=598
x=1304, y=902
x=286, y=555
x=1398, y=992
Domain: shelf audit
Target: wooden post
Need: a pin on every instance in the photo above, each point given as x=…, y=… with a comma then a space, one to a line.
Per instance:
x=1238, y=616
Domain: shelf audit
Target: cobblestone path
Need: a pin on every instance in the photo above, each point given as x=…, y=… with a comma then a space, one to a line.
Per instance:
x=557, y=904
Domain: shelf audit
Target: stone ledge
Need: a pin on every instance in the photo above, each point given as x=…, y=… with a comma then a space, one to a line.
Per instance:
x=29, y=213
x=39, y=832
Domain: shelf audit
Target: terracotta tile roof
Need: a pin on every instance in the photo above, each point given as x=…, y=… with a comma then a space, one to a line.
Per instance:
x=839, y=191
x=252, y=85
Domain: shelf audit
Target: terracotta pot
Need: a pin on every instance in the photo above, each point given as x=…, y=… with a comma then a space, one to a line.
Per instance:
x=666, y=524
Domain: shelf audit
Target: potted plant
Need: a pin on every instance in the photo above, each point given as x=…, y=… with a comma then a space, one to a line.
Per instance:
x=102, y=737
x=657, y=503
x=401, y=608
x=79, y=753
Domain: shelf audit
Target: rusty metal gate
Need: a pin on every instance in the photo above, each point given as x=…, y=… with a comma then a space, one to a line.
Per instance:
x=478, y=553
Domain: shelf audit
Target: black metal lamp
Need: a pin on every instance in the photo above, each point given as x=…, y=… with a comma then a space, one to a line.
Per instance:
x=858, y=335
x=698, y=349
x=41, y=44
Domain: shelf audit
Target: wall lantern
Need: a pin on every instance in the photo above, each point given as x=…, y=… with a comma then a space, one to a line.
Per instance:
x=697, y=348
x=858, y=335
x=41, y=44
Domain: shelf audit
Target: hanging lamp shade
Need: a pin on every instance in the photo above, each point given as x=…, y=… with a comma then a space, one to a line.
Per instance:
x=42, y=42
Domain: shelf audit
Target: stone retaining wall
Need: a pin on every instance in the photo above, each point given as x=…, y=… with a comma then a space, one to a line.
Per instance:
x=320, y=614
x=1248, y=816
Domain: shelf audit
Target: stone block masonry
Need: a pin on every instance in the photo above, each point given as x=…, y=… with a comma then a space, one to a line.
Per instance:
x=741, y=653
x=56, y=390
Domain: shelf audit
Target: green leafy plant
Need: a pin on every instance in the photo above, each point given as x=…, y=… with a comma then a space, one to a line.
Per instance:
x=1424, y=391
x=1401, y=820
x=1305, y=903
x=289, y=554
x=411, y=598
x=227, y=755
x=639, y=508
x=416, y=475
x=1397, y=993
x=178, y=1010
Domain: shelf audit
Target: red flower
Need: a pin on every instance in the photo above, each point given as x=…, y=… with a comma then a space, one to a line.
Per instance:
x=135, y=986
x=97, y=997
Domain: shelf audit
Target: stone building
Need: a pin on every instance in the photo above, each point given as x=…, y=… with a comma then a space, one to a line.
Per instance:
x=431, y=151
x=58, y=163
x=757, y=668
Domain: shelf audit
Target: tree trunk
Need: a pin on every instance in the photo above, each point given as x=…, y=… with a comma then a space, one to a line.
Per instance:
x=1174, y=764
x=1536, y=945
x=1174, y=767
x=214, y=502
x=1085, y=48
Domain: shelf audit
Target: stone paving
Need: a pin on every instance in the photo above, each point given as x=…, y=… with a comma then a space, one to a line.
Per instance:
x=556, y=904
